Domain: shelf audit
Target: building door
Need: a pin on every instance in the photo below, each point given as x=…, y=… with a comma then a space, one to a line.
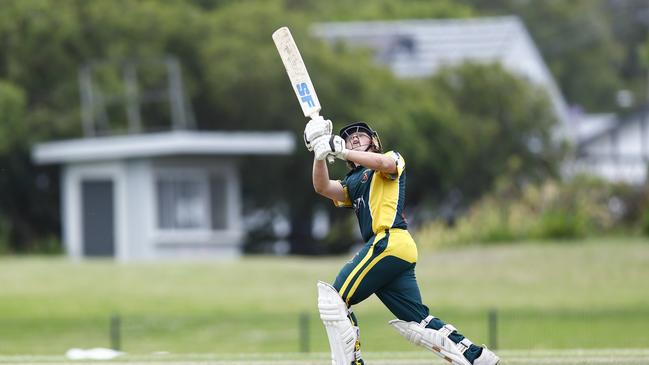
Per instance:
x=98, y=224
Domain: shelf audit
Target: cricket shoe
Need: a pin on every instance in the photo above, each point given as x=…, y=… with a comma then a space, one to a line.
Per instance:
x=487, y=357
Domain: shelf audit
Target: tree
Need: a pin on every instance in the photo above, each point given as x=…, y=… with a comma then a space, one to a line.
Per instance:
x=235, y=81
x=503, y=123
x=591, y=46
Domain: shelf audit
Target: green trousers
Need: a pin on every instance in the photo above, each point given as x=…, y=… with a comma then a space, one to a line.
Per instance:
x=385, y=266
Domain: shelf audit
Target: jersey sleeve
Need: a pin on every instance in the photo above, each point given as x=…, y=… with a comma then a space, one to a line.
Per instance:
x=401, y=165
x=347, y=203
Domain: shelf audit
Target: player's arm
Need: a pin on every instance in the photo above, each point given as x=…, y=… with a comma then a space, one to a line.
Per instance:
x=331, y=189
x=371, y=160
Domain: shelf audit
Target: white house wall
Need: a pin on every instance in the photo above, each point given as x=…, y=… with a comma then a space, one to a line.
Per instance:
x=602, y=147
x=629, y=141
x=619, y=154
x=625, y=144
x=219, y=243
x=140, y=196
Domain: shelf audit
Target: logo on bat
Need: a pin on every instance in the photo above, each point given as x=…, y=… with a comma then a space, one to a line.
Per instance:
x=305, y=94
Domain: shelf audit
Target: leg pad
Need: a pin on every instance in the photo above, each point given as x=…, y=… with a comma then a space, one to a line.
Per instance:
x=431, y=339
x=340, y=330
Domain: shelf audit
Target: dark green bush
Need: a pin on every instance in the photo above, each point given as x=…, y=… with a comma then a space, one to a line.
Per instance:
x=558, y=224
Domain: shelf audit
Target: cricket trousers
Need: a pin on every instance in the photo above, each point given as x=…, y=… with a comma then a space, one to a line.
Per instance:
x=385, y=266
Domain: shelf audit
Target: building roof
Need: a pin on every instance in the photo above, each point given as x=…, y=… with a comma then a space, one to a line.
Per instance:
x=416, y=48
x=164, y=144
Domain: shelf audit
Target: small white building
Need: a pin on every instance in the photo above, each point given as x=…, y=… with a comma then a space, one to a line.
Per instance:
x=155, y=196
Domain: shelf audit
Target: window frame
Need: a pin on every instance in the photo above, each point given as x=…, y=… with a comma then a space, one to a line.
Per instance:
x=203, y=178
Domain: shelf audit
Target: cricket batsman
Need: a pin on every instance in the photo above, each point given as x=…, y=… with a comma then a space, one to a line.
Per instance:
x=375, y=188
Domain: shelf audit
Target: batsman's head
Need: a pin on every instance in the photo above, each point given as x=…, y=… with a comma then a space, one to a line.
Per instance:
x=359, y=136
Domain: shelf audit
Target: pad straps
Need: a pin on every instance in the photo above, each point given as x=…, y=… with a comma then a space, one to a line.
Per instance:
x=424, y=322
x=446, y=331
x=464, y=345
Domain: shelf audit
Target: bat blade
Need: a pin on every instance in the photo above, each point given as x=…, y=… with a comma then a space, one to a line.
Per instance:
x=297, y=73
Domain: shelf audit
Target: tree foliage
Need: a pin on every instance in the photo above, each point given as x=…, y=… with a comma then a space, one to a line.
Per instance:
x=591, y=46
x=457, y=130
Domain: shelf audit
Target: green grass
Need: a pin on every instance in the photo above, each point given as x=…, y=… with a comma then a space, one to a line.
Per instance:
x=509, y=357
x=548, y=296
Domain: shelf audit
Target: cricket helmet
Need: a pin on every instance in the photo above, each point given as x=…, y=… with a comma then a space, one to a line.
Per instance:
x=355, y=127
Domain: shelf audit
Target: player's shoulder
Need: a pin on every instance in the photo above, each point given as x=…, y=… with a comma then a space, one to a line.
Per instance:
x=395, y=155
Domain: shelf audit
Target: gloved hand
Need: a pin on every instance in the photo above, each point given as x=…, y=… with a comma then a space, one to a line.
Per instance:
x=338, y=149
x=326, y=145
x=315, y=128
x=321, y=147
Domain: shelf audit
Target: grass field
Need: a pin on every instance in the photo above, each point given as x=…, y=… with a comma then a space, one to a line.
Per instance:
x=509, y=357
x=548, y=296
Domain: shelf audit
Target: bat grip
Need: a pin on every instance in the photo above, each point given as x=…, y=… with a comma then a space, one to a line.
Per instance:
x=331, y=159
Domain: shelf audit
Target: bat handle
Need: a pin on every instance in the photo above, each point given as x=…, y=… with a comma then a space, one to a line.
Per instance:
x=331, y=159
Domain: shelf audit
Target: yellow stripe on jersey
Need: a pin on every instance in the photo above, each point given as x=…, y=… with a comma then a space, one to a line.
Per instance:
x=400, y=244
x=384, y=196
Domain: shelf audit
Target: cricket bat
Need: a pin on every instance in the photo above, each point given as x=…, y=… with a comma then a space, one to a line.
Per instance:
x=297, y=73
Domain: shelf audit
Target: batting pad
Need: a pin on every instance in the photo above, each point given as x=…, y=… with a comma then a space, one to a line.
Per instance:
x=431, y=339
x=340, y=331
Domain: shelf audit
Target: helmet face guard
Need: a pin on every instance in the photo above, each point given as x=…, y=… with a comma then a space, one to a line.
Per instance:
x=356, y=127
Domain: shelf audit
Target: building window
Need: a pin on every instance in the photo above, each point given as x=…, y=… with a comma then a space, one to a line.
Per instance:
x=191, y=200
x=182, y=203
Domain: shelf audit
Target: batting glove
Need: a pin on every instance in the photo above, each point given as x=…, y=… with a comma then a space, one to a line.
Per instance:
x=321, y=147
x=337, y=145
x=315, y=128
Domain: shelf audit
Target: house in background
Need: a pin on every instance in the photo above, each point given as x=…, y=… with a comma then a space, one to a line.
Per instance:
x=615, y=147
x=606, y=145
x=418, y=48
x=155, y=196
x=145, y=195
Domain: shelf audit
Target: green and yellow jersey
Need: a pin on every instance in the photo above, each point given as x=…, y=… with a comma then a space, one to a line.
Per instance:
x=377, y=198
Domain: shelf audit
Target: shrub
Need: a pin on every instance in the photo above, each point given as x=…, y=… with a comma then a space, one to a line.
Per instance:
x=557, y=224
x=550, y=210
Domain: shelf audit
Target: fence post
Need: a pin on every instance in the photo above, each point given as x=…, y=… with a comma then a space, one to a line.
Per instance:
x=304, y=332
x=493, y=329
x=115, y=324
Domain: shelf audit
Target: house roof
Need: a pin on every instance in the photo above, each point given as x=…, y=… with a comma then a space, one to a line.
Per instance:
x=419, y=47
x=164, y=144
x=416, y=48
